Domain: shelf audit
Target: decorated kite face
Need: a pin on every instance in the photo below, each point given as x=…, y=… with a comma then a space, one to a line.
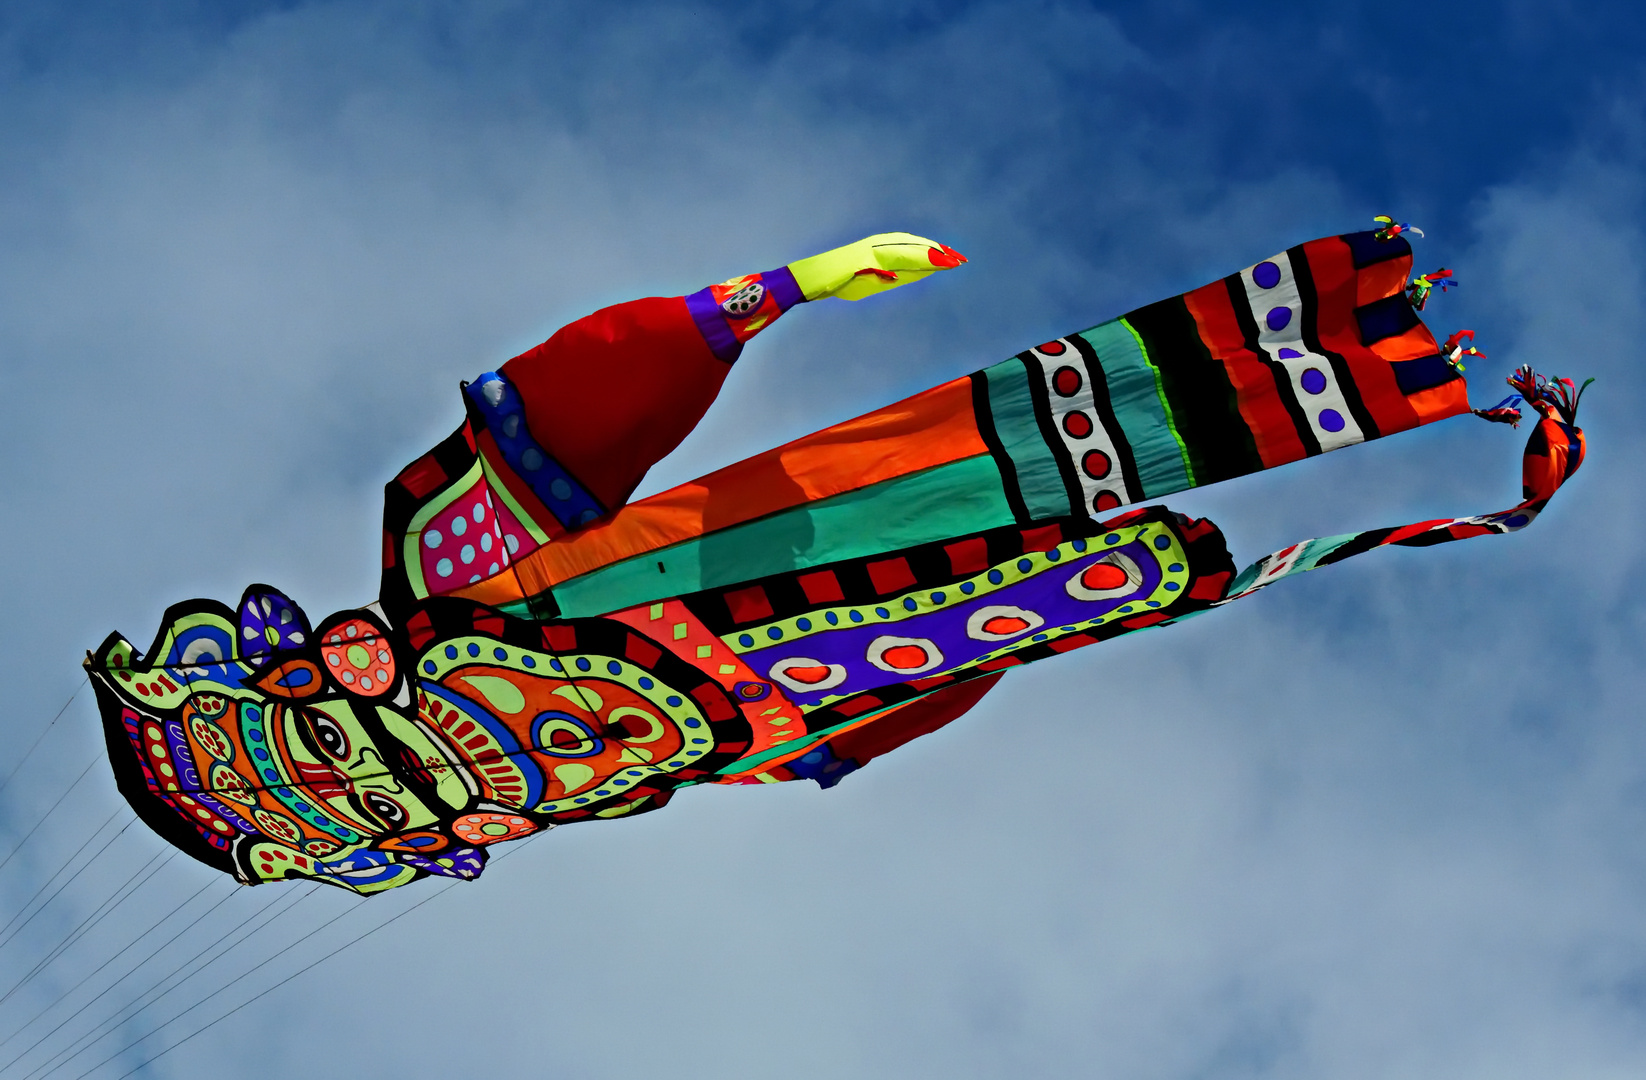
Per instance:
x=364, y=759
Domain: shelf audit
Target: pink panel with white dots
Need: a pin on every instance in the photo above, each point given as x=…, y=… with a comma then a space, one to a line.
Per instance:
x=470, y=540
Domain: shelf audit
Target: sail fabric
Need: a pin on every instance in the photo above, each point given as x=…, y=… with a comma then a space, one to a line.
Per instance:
x=1311, y=350
x=542, y=654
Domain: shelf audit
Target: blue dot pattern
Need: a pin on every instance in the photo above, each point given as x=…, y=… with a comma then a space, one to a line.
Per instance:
x=567, y=500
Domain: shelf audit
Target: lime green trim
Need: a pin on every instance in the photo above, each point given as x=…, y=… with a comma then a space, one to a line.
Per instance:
x=1160, y=389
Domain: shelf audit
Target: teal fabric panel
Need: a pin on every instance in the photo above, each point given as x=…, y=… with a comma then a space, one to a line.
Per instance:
x=934, y=504
x=1038, y=478
x=1134, y=394
x=1307, y=559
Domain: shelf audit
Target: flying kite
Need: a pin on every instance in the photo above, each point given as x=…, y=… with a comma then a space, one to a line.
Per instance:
x=543, y=651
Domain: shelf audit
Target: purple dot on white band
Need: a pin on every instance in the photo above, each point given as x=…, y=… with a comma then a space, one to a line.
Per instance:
x=1315, y=383
x=1289, y=354
x=1278, y=317
x=1331, y=420
x=1266, y=274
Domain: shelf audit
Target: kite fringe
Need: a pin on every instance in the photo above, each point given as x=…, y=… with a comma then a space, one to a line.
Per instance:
x=1418, y=289
x=1556, y=396
x=1506, y=411
x=1455, y=349
x=1389, y=228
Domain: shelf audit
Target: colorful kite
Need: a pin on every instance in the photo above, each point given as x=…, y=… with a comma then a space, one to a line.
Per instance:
x=544, y=652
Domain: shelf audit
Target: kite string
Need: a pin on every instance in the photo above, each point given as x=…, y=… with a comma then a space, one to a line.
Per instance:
x=83, y=774
x=224, y=986
x=85, y=925
x=4, y=936
x=141, y=936
x=153, y=993
x=189, y=924
x=40, y=737
x=275, y=986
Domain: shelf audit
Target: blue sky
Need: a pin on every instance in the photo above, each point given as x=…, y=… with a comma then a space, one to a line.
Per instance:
x=1384, y=820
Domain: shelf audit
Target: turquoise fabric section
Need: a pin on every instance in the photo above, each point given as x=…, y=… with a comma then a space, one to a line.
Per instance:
x=949, y=500
x=1309, y=558
x=1134, y=393
x=1013, y=412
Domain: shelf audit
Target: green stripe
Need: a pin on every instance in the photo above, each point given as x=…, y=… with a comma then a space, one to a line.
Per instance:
x=1139, y=403
x=1153, y=387
x=1038, y=478
x=748, y=763
x=934, y=504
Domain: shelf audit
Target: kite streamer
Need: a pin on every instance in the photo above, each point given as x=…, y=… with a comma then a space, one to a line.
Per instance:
x=542, y=651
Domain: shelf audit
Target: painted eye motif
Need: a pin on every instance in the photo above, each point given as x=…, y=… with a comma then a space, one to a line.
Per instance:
x=1001, y=622
x=803, y=674
x=330, y=735
x=904, y=656
x=390, y=812
x=1112, y=576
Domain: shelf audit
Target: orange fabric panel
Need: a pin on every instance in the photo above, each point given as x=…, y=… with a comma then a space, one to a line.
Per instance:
x=773, y=719
x=929, y=429
x=1272, y=427
x=498, y=589
x=1437, y=403
x=1413, y=344
x=1338, y=286
x=1382, y=280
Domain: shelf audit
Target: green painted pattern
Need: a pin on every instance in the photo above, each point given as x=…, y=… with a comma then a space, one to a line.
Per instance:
x=1012, y=409
x=934, y=504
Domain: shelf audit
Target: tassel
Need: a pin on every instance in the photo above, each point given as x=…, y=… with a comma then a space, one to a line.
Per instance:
x=1417, y=291
x=1389, y=228
x=1556, y=397
x=1504, y=412
x=1455, y=350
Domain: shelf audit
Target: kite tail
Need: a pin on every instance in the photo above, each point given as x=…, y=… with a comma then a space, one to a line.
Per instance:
x=1554, y=452
x=1506, y=411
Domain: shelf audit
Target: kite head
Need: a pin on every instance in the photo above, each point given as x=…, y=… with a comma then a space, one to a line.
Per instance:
x=367, y=757
x=274, y=751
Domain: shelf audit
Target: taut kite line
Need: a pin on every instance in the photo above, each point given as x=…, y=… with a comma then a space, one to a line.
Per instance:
x=543, y=651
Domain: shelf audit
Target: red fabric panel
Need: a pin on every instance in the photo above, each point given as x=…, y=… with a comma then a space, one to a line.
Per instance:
x=890, y=575
x=822, y=587
x=968, y=556
x=749, y=605
x=1340, y=291
x=1272, y=427
x=919, y=717
x=1043, y=538
x=611, y=394
x=422, y=476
